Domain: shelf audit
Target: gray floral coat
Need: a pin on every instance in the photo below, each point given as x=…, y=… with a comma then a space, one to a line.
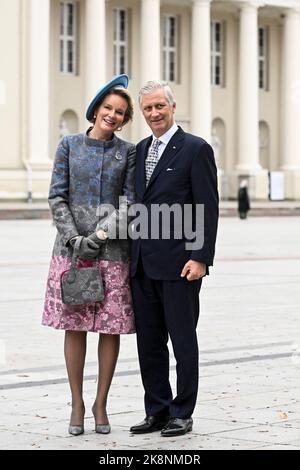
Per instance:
x=89, y=173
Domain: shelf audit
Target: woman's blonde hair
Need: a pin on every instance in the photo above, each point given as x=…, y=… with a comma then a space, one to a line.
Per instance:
x=124, y=93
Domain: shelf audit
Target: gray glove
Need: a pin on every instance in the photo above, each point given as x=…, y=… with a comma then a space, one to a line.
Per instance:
x=89, y=247
x=97, y=240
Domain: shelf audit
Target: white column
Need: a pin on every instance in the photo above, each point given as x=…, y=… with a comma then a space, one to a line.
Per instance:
x=291, y=92
x=248, y=134
x=39, y=82
x=95, y=51
x=200, y=78
x=150, y=40
x=150, y=49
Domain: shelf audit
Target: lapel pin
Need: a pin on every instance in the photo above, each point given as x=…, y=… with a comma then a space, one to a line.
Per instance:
x=118, y=156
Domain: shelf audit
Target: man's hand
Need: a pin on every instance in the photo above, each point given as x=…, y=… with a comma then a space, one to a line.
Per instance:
x=193, y=270
x=98, y=238
x=101, y=235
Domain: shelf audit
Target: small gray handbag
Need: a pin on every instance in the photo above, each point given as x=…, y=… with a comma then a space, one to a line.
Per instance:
x=81, y=285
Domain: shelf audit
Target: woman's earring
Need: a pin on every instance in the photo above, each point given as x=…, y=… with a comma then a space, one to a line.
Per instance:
x=119, y=128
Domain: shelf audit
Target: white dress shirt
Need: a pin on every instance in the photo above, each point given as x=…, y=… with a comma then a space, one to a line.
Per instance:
x=165, y=138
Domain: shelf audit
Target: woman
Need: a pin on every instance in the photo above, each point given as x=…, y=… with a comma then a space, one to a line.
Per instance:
x=92, y=170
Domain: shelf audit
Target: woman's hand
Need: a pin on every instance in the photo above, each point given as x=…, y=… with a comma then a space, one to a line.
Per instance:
x=88, y=249
x=90, y=246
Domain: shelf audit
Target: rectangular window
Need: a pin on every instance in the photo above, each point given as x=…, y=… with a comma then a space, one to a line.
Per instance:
x=217, y=53
x=120, y=45
x=263, y=58
x=170, y=47
x=68, y=21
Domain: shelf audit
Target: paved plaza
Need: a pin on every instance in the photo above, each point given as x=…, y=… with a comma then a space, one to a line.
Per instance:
x=249, y=338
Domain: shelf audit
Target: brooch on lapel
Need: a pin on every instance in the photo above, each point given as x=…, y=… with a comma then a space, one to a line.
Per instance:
x=118, y=156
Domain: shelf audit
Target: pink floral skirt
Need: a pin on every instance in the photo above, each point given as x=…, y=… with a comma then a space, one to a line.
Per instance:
x=113, y=315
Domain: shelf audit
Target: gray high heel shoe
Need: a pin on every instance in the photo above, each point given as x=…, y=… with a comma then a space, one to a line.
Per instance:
x=101, y=428
x=76, y=430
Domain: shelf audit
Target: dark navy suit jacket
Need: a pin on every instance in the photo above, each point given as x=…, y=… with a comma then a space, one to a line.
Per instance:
x=185, y=174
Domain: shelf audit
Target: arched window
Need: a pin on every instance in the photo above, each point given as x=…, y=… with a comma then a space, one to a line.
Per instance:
x=68, y=123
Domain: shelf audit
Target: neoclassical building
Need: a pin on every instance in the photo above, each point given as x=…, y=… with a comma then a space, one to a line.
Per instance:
x=234, y=67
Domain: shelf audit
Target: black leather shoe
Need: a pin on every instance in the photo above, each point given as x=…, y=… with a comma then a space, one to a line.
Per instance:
x=177, y=427
x=149, y=424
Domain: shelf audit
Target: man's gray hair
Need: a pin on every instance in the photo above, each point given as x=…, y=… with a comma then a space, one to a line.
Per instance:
x=154, y=85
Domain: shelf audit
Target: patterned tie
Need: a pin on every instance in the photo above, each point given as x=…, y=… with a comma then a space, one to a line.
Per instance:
x=152, y=159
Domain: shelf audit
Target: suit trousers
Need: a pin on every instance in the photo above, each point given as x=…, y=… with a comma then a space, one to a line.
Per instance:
x=164, y=309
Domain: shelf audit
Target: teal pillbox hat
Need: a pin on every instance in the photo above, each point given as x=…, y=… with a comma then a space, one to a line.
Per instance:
x=119, y=81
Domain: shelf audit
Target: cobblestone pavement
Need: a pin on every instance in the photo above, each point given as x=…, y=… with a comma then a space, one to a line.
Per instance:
x=249, y=337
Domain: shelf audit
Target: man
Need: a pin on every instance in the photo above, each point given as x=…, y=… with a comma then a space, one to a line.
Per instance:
x=172, y=167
